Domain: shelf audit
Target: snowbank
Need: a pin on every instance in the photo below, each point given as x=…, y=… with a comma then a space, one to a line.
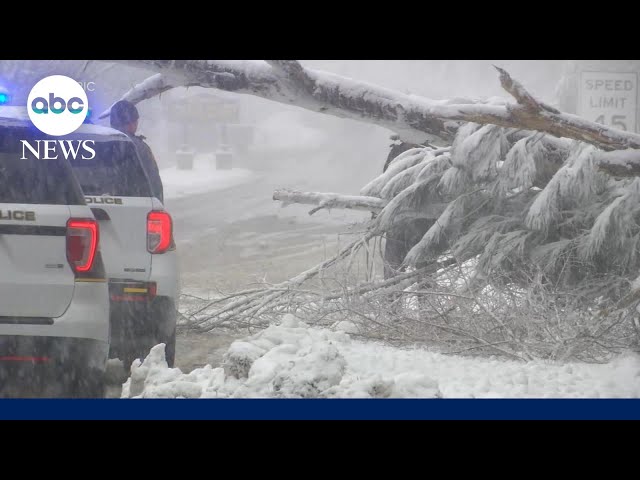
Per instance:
x=203, y=178
x=293, y=360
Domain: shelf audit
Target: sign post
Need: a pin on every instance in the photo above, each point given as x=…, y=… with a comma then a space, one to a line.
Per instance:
x=609, y=98
x=204, y=109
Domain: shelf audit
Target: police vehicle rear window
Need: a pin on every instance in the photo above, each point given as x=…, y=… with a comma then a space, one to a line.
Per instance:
x=24, y=178
x=114, y=170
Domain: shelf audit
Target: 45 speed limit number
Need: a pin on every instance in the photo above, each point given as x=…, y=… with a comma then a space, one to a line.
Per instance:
x=609, y=98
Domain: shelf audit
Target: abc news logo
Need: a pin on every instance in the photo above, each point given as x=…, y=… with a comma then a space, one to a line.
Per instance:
x=41, y=106
x=57, y=106
x=75, y=105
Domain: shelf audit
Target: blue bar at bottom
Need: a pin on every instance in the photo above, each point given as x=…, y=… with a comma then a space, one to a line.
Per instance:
x=320, y=409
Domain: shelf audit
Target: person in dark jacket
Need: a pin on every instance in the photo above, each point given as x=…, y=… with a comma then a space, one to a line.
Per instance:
x=124, y=116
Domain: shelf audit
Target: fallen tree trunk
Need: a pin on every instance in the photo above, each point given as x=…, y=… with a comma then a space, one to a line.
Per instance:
x=411, y=116
x=332, y=94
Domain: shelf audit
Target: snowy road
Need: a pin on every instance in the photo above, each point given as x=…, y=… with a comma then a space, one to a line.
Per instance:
x=230, y=238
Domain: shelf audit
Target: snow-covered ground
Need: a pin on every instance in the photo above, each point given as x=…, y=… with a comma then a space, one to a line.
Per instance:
x=203, y=178
x=294, y=360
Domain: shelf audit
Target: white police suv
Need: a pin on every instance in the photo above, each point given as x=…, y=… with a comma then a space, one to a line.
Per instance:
x=136, y=234
x=54, y=298
x=137, y=245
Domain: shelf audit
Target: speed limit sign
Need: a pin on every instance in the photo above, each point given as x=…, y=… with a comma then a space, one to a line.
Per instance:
x=609, y=98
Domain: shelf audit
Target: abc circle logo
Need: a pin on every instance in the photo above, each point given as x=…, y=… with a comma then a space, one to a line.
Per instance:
x=57, y=105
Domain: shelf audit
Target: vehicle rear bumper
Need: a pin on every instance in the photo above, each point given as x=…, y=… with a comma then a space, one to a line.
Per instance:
x=87, y=317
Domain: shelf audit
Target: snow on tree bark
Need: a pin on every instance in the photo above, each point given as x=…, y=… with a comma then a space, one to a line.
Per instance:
x=411, y=116
x=331, y=94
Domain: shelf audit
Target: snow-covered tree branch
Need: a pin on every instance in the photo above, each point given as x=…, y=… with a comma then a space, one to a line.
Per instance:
x=149, y=88
x=329, y=200
x=622, y=163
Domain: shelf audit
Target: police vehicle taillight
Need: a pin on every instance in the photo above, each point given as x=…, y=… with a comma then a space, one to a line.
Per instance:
x=82, y=243
x=159, y=232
